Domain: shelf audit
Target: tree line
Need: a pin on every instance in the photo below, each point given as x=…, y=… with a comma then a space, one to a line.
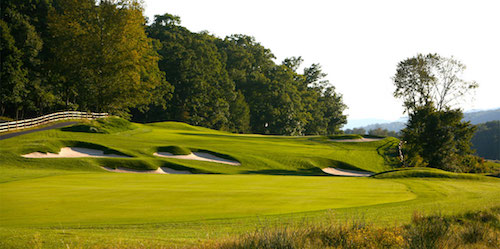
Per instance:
x=103, y=56
x=486, y=140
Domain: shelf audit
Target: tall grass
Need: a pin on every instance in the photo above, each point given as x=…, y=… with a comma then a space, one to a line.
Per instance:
x=473, y=230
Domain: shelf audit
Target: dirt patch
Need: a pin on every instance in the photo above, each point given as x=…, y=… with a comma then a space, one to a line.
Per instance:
x=346, y=172
x=72, y=152
x=200, y=156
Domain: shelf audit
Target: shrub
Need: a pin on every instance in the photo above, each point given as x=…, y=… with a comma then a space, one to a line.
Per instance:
x=425, y=232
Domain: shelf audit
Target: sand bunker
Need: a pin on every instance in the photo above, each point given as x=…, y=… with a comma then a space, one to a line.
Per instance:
x=200, y=156
x=346, y=172
x=160, y=170
x=71, y=152
x=356, y=140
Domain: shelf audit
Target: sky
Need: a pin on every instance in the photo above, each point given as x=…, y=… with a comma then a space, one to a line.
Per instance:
x=359, y=43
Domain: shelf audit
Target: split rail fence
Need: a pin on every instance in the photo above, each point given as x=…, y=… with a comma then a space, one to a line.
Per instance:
x=49, y=118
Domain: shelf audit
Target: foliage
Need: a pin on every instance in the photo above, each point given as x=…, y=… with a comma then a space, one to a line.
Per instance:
x=431, y=78
x=424, y=232
x=439, y=139
x=102, y=54
x=435, y=135
x=486, y=140
x=383, y=132
x=360, y=131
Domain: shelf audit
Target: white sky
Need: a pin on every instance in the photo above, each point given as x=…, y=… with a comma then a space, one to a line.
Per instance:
x=359, y=43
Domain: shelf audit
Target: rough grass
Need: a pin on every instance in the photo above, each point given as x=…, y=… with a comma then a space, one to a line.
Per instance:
x=474, y=230
x=102, y=125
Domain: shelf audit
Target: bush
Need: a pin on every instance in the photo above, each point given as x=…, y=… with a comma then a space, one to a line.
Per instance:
x=425, y=232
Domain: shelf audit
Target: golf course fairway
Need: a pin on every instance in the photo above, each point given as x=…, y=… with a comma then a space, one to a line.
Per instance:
x=74, y=202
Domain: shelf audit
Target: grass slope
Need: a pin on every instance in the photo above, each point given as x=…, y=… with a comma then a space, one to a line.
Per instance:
x=75, y=203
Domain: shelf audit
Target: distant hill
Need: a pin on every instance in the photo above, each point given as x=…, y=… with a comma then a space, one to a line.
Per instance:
x=482, y=116
x=475, y=117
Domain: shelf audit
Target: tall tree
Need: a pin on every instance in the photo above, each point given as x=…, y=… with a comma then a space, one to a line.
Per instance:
x=435, y=134
x=423, y=79
x=13, y=76
x=104, y=57
x=203, y=89
x=22, y=40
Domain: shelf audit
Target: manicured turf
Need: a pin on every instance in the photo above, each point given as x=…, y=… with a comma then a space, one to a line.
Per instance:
x=74, y=202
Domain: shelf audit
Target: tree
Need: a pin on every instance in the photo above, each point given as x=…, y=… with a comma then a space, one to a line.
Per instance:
x=360, y=131
x=21, y=63
x=202, y=88
x=13, y=76
x=486, y=140
x=438, y=139
x=103, y=56
x=423, y=79
x=382, y=132
x=239, y=114
x=435, y=135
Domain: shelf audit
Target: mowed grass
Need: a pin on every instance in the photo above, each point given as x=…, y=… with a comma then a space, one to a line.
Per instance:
x=56, y=203
x=132, y=198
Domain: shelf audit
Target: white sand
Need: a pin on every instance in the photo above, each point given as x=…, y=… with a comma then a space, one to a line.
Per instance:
x=359, y=140
x=200, y=156
x=71, y=152
x=160, y=170
x=345, y=172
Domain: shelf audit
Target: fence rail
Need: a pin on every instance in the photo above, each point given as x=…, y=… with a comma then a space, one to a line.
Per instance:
x=33, y=122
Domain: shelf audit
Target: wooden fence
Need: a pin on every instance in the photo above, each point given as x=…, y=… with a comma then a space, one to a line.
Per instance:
x=28, y=123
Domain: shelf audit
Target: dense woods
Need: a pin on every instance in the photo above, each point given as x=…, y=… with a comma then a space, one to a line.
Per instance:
x=486, y=140
x=103, y=56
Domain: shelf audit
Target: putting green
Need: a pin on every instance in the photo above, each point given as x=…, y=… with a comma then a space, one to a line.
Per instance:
x=114, y=198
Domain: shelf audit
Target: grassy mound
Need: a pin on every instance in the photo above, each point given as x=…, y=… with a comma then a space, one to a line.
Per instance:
x=346, y=136
x=55, y=146
x=224, y=156
x=178, y=150
x=179, y=126
x=102, y=125
x=175, y=150
x=114, y=163
x=424, y=172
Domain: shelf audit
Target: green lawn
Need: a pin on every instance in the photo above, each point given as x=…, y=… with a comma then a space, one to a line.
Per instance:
x=57, y=203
